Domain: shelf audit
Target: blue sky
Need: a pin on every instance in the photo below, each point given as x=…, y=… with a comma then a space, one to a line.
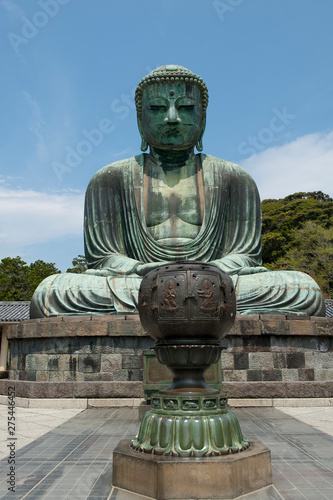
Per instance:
x=70, y=67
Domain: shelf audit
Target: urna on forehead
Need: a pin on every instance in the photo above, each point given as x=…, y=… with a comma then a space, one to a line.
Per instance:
x=175, y=75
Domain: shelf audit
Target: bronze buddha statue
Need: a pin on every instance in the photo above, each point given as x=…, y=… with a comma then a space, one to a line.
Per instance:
x=171, y=204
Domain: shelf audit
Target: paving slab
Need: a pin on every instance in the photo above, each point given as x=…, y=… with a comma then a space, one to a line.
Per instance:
x=30, y=424
x=318, y=417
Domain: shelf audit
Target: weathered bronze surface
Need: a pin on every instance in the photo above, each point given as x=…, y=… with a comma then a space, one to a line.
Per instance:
x=170, y=204
x=190, y=425
x=157, y=377
x=187, y=301
x=187, y=307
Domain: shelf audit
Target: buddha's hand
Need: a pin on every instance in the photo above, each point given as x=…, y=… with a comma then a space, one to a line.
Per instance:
x=101, y=272
x=143, y=269
x=253, y=270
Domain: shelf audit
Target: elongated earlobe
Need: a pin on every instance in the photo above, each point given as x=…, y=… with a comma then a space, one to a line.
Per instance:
x=144, y=144
x=199, y=145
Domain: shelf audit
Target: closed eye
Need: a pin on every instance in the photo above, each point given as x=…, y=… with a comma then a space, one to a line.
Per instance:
x=155, y=107
x=186, y=106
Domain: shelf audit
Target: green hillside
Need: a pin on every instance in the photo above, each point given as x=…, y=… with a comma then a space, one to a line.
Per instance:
x=297, y=233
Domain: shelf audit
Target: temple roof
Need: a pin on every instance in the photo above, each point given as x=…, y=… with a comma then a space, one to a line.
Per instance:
x=19, y=310
x=329, y=308
x=14, y=311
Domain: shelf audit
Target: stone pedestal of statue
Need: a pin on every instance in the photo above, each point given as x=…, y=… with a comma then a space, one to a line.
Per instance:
x=266, y=359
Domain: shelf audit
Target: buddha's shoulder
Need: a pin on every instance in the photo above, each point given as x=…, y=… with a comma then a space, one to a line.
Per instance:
x=117, y=170
x=227, y=167
x=224, y=167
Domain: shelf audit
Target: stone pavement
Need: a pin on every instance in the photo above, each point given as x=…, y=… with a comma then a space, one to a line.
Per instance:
x=30, y=424
x=67, y=454
x=318, y=417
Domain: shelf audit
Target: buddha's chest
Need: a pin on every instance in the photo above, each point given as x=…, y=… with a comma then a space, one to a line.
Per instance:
x=179, y=202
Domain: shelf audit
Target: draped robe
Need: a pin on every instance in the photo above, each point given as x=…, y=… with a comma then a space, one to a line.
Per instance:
x=117, y=240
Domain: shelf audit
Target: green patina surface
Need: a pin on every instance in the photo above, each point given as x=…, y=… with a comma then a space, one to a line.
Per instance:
x=190, y=425
x=157, y=377
x=170, y=204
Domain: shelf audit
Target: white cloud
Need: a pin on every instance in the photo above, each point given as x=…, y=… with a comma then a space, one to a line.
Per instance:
x=30, y=217
x=13, y=9
x=36, y=125
x=305, y=164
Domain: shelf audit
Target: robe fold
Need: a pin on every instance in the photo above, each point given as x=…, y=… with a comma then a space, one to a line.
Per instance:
x=117, y=240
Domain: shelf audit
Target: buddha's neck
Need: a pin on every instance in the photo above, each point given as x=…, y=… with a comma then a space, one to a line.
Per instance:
x=172, y=158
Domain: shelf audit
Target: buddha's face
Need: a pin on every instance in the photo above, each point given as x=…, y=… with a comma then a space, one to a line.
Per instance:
x=172, y=115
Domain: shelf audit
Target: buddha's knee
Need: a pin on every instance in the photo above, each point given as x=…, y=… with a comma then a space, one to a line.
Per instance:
x=38, y=303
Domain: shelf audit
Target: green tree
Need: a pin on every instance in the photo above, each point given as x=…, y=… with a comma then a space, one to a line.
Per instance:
x=18, y=281
x=40, y=270
x=79, y=265
x=312, y=253
x=282, y=217
x=316, y=195
x=13, y=273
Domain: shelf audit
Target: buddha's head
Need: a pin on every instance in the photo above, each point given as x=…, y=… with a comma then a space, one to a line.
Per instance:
x=171, y=104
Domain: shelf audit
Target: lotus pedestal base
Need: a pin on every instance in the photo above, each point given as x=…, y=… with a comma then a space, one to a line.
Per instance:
x=189, y=424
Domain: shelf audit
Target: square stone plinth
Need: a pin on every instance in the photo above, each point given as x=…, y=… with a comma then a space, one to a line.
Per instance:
x=163, y=477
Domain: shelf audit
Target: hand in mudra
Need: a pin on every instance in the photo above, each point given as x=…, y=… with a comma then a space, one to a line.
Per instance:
x=143, y=269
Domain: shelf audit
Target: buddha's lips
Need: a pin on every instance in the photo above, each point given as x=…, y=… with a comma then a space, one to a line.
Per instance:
x=172, y=132
x=176, y=129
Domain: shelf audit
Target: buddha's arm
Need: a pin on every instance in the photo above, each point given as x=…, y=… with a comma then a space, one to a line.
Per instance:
x=237, y=264
x=139, y=268
x=241, y=244
x=104, y=226
x=108, y=215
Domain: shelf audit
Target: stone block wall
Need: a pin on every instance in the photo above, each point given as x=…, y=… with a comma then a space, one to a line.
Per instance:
x=263, y=354
x=94, y=349
x=277, y=349
x=277, y=366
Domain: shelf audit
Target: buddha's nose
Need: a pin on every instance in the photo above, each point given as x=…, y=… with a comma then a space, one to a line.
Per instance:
x=172, y=115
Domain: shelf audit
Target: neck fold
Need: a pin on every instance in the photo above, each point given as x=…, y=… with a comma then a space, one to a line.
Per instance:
x=172, y=158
